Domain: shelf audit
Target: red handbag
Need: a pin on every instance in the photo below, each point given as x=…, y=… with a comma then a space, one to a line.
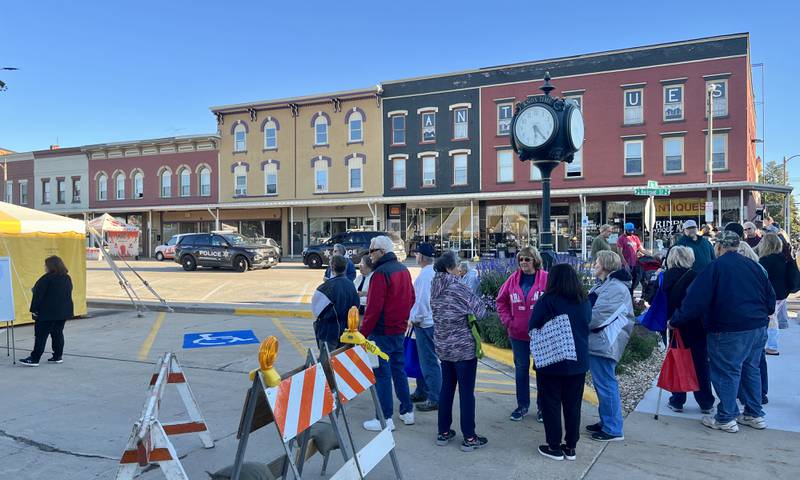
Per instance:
x=677, y=372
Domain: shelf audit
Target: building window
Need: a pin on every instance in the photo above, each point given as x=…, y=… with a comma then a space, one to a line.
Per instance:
x=185, y=181
x=673, y=154
x=673, y=103
x=166, y=183
x=428, y=171
x=119, y=186
x=355, y=175
x=634, y=106
x=9, y=191
x=240, y=180
x=76, y=190
x=45, y=190
x=720, y=154
x=505, y=166
x=102, y=187
x=23, y=192
x=399, y=173
x=428, y=127
x=399, y=130
x=355, y=127
x=321, y=176
x=271, y=179
x=321, y=131
x=574, y=169
x=138, y=185
x=61, y=190
x=270, y=136
x=460, y=130
x=634, y=157
x=460, y=169
x=240, y=138
x=720, y=97
x=504, y=113
x=536, y=174
x=205, y=182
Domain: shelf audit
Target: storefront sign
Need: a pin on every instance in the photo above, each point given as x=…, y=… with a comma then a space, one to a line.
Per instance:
x=394, y=211
x=680, y=207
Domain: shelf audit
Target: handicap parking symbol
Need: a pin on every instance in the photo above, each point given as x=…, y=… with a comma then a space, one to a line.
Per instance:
x=219, y=339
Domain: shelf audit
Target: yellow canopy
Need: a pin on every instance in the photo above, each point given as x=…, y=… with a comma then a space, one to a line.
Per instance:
x=29, y=236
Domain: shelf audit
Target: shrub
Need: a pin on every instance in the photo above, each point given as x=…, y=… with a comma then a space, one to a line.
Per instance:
x=492, y=331
x=639, y=348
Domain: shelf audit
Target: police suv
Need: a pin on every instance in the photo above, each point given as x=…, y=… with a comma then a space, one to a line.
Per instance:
x=223, y=250
x=355, y=242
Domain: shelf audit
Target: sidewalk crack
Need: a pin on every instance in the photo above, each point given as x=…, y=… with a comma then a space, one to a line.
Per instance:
x=51, y=449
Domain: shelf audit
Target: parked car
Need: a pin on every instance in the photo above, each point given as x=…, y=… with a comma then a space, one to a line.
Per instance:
x=168, y=249
x=270, y=242
x=223, y=250
x=355, y=242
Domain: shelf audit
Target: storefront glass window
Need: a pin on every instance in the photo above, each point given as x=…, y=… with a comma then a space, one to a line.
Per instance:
x=508, y=228
x=252, y=228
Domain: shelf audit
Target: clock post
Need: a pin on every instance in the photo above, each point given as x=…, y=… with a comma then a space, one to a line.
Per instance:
x=546, y=131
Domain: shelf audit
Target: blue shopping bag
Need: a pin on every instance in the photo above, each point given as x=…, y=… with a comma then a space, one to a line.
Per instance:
x=412, y=366
x=655, y=318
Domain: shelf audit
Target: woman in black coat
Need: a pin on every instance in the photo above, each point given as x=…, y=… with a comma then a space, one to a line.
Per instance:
x=677, y=278
x=51, y=307
x=770, y=251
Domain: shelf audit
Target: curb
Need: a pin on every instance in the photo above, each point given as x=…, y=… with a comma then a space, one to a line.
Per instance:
x=506, y=357
x=225, y=309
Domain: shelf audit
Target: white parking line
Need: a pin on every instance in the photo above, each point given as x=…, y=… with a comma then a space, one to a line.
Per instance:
x=212, y=292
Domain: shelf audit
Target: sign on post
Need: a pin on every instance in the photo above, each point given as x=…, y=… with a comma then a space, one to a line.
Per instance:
x=709, y=212
x=6, y=291
x=651, y=192
x=219, y=339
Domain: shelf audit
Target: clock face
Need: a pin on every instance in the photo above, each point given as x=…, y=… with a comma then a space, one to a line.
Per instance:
x=535, y=126
x=576, y=128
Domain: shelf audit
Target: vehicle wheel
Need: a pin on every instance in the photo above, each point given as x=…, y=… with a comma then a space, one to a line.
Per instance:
x=188, y=262
x=240, y=264
x=159, y=256
x=314, y=261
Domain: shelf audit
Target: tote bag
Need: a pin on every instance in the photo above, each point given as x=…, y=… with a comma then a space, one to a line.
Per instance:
x=677, y=372
x=655, y=318
x=411, y=356
x=553, y=342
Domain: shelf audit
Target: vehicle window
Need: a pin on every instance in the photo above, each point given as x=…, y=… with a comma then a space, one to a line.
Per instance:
x=235, y=239
x=187, y=241
x=217, y=241
x=172, y=241
x=202, y=241
x=354, y=238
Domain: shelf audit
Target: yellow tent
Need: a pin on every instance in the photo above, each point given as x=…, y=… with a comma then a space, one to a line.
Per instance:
x=28, y=237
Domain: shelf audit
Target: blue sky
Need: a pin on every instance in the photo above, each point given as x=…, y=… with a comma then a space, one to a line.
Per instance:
x=94, y=72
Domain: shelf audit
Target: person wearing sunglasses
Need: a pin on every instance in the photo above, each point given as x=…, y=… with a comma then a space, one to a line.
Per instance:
x=751, y=236
x=515, y=303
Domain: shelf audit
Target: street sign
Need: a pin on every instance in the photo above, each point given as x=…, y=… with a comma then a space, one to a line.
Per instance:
x=219, y=339
x=651, y=192
x=652, y=184
x=709, y=212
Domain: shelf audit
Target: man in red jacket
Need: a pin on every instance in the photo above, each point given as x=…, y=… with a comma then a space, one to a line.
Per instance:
x=389, y=301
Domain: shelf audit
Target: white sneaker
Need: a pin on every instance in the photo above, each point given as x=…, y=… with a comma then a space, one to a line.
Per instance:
x=407, y=418
x=755, y=422
x=730, y=427
x=374, y=425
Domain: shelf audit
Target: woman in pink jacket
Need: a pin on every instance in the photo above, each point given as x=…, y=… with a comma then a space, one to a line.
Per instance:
x=515, y=303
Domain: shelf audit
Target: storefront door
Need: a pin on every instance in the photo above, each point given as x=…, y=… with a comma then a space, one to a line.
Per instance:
x=561, y=237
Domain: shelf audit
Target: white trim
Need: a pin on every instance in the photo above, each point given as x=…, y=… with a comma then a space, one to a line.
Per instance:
x=625, y=107
x=398, y=156
x=458, y=105
x=633, y=136
x=427, y=109
x=714, y=76
x=428, y=153
x=405, y=170
x=674, y=134
x=394, y=113
x=667, y=81
x=633, y=86
x=459, y=151
x=465, y=153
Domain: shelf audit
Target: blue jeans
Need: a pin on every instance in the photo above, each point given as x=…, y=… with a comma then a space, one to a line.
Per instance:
x=462, y=374
x=390, y=372
x=734, y=359
x=772, y=338
x=783, y=314
x=522, y=372
x=431, y=382
x=604, y=378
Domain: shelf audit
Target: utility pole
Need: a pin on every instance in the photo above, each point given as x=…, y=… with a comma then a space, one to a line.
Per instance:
x=712, y=88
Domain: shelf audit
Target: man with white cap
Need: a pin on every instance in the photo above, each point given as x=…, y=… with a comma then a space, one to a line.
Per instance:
x=702, y=248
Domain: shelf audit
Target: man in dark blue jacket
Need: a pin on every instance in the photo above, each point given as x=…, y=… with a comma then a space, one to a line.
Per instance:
x=702, y=248
x=330, y=304
x=734, y=299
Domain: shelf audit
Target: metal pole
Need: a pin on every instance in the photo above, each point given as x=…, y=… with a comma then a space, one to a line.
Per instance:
x=719, y=206
x=741, y=205
x=471, y=230
x=291, y=231
x=710, y=165
x=583, y=227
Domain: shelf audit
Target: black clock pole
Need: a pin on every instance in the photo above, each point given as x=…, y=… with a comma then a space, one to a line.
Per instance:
x=546, y=168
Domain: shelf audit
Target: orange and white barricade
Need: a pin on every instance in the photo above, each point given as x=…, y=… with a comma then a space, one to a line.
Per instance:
x=350, y=375
x=149, y=441
x=300, y=399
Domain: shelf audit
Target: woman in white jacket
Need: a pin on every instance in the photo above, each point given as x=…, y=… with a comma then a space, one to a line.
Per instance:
x=609, y=332
x=362, y=281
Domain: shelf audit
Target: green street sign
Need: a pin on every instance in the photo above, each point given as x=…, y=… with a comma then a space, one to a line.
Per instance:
x=648, y=192
x=652, y=184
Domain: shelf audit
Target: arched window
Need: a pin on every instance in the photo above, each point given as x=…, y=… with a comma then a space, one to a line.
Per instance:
x=271, y=179
x=119, y=186
x=138, y=184
x=321, y=131
x=270, y=136
x=356, y=127
x=240, y=138
x=205, y=182
x=185, y=181
x=166, y=183
x=102, y=187
x=321, y=176
x=240, y=180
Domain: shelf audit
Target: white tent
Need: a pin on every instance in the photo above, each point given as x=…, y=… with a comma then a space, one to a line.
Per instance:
x=122, y=238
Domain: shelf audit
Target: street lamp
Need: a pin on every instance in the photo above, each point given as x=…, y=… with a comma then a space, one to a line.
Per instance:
x=710, y=91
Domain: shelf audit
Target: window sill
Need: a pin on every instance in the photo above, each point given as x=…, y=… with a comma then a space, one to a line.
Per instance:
x=457, y=185
x=429, y=142
x=273, y=149
x=506, y=182
x=626, y=125
x=681, y=172
x=633, y=174
x=321, y=145
x=240, y=152
x=502, y=135
x=355, y=142
x=428, y=186
x=397, y=145
x=681, y=120
x=460, y=139
x=718, y=170
x=356, y=191
x=398, y=188
x=718, y=117
x=580, y=177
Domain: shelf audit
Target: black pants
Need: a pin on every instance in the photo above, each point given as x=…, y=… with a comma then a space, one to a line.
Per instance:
x=557, y=393
x=704, y=397
x=462, y=374
x=56, y=332
x=637, y=272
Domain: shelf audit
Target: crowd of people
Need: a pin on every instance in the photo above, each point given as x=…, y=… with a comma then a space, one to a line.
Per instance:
x=725, y=295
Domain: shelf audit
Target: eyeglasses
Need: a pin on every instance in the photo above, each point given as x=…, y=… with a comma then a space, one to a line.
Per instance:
x=525, y=259
x=373, y=250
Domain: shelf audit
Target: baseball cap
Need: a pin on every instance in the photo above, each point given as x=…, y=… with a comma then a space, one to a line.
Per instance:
x=735, y=227
x=729, y=239
x=425, y=249
x=629, y=227
x=689, y=224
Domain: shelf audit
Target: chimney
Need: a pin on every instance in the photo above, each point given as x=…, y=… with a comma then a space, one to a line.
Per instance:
x=54, y=147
